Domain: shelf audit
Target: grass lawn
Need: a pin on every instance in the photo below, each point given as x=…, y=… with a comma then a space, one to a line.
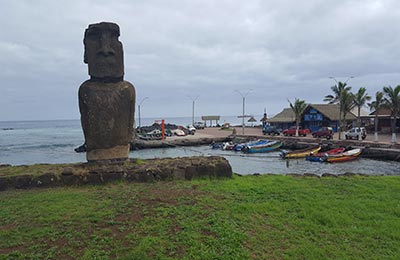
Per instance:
x=253, y=217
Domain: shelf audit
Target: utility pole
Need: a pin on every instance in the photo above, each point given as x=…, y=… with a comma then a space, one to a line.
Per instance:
x=193, y=101
x=243, y=101
x=140, y=103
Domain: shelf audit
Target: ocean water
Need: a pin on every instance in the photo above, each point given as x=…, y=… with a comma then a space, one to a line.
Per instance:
x=31, y=142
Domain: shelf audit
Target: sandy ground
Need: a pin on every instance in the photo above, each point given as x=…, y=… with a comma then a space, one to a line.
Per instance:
x=255, y=131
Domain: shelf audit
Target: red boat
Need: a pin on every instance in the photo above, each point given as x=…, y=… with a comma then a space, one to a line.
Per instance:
x=321, y=157
x=345, y=156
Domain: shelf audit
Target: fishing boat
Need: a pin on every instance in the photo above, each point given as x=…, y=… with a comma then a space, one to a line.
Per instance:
x=228, y=146
x=266, y=147
x=345, y=156
x=300, y=153
x=322, y=156
x=239, y=147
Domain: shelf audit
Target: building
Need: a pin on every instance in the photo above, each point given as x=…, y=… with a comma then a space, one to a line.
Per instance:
x=385, y=120
x=316, y=116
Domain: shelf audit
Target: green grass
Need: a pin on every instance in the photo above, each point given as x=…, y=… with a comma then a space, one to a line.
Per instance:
x=254, y=217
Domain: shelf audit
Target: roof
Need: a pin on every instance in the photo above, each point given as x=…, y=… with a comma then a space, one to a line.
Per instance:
x=210, y=118
x=363, y=113
x=331, y=111
x=252, y=119
x=382, y=112
x=286, y=115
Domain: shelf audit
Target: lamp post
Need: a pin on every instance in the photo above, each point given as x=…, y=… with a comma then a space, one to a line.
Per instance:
x=193, y=100
x=140, y=103
x=244, y=100
x=351, y=77
x=340, y=102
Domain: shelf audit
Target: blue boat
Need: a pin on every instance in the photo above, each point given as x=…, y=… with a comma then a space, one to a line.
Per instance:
x=263, y=146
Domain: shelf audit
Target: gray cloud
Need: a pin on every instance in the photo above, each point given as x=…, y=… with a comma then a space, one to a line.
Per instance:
x=279, y=49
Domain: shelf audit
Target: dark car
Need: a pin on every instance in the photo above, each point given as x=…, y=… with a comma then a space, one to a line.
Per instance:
x=323, y=132
x=271, y=130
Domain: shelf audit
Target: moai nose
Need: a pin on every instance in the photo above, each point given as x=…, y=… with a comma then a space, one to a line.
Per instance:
x=105, y=46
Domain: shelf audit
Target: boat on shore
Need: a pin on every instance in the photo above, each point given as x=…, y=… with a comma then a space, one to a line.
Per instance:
x=322, y=156
x=345, y=156
x=262, y=147
x=300, y=153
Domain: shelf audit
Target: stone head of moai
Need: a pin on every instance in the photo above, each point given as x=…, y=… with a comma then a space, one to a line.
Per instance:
x=103, y=52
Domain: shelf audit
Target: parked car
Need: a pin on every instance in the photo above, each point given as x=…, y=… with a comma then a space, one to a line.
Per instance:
x=199, y=125
x=355, y=133
x=168, y=132
x=155, y=133
x=326, y=132
x=192, y=129
x=271, y=130
x=292, y=131
x=178, y=132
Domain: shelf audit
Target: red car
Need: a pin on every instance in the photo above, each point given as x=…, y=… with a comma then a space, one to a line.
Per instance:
x=292, y=131
x=326, y=132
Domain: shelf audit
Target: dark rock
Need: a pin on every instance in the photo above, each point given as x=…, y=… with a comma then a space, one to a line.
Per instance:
x=45, y=180
x=329, y=175
x=67, y=171
x=81, y=149
x=4, y=183
x=348, y=174
x=22, y=181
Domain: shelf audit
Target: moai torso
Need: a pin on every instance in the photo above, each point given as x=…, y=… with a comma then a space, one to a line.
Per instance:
x=106, y=101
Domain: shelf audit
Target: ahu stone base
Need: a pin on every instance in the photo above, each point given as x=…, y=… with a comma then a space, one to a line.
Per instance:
x=151, y=170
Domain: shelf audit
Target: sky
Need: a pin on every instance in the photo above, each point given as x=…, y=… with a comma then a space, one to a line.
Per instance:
x=213, y=52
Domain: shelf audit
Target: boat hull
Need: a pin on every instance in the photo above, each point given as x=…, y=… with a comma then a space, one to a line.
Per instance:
x=264, y=149
x=345, y=157
x=300, y=153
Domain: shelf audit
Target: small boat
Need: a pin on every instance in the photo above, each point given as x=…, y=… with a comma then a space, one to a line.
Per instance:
x=239, y=147
x=300, y=153
x=345, y=156
x=265, y=147
x=215, y=145
x=228, y=146
x=321, y=156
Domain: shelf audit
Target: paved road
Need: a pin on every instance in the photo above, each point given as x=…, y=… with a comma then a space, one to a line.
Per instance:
x=255, y=131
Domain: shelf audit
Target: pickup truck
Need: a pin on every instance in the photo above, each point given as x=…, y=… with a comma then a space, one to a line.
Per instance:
x=292, y=131
x=271, y=130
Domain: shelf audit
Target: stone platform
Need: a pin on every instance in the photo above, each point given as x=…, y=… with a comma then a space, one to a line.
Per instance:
x=167, y=169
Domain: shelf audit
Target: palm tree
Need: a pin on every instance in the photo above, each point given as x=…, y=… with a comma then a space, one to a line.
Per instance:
x=392, y=102
x=298, y=108
x=347, y=101
x=336, y=98
x=360, y=99
x=376, y=105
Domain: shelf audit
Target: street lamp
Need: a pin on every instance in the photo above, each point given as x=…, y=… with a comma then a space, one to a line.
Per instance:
x=351, y=77
x=244, y=100
x=140, y=103
x=193, y=100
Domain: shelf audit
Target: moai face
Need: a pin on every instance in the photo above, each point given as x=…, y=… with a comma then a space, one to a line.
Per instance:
x=103, y=51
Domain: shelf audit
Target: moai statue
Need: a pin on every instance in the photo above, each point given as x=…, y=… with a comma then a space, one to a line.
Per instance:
x=106, y=101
